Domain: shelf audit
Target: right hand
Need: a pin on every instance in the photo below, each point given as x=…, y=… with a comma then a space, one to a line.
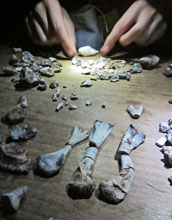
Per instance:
x=50, y=24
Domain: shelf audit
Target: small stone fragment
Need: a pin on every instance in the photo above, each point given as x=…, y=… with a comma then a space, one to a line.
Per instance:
x=11, y=201
x=66, y=103
x=76, y=61
x=135, y=111
x=170, y=100
x=64, y=98
x=28, y=78
x=72, y=107
x=47, y=71
x=161, y=141
x=86, y=83
x=10, y=71
x=94, y=78
x=136, y=68
x=54, y=84
x=52, y=59
x=27, y=57
x=73, y=96
x=88, y=103
x=59, y=106
x=64, y=86
x=164, y=127
x=149, y=62
x=168, y=71
x=85, y=72
x=14, y=59
x=87, y=51
x=42, y=85
x=115, y=78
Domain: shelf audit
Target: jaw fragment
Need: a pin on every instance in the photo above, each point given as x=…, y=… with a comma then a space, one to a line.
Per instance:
x=135, y=111
x=82, y=184
x=50, y=164
x=10, y=202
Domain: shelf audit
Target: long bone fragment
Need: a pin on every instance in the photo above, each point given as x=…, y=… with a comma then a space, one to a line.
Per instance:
x=131, y=140
x=82, y=184
x=115, y=190
x=10, y=202
x=49, y=164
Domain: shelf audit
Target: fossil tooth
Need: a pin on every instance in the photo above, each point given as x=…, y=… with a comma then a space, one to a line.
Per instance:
x=82, y=184
x=149, y=62
x=86, y=83
x=87, y=51
x=135, y=111
x=59, y=106
x=50, y=164
x=11, y=201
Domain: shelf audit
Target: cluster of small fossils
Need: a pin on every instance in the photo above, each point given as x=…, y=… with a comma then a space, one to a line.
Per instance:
x=165, y=143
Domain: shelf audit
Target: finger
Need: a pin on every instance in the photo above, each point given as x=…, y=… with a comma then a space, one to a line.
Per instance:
x=126, y=21
x=56, y=17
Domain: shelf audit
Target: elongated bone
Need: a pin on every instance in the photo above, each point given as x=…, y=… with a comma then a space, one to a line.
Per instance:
x=135, y=111
x=11, y=201
x=115, y=190
x=131, y=140
x=82, y=184
x=50, y=164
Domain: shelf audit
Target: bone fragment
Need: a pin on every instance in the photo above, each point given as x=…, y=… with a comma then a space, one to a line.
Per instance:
x=13, y=159
x=161, y=141
x=86, y=83
x=73, y=96
x=115, y=78
x=115, y=190
x=167, y=151
x=10, y=202
x=131, y=140
x=50, y=164
x=82, y=184
x=87, y=51
x=59, y=106
x=135, y=111
x=149, y=62
x=56, y=94
x=72, y=107
x=164, y=127
x=85, y=72
x=16, y=113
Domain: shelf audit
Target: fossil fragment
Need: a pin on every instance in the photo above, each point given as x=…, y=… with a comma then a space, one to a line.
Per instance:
x=167, y=151
x=115, y=190
x=131, y=140
x=54, y=84
x=47, y=71
x=72, y=107
x=10, y=71
x=73, y=96
x=57, y=94
x=17, y=50
x=13, y=159
x=86, y=83
x=22, y=133
x=27, y=57
x=82, y=184
x=42, y=85
x=17, y=113
x=59, y=106
x=115, y=78
x=164, y=127
x=50, y=164
x=124, y=75
x=52, y=59
x=10, y=202
x=87, y=51
x=88, y=103
x=66, y=103
x=117, y=63
x=94, y=78
x=149, y=62
x=64, y=98
x=135, y=111
x=161, y=141
x=28, y=78
x=136, y=68
x=76, y=61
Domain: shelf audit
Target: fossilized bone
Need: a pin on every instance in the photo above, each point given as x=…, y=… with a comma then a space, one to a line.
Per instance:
x=49, y=164
x=115, y=190
x=82, y=184
x=10, y=202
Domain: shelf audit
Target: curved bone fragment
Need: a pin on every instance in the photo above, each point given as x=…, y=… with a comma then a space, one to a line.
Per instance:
x=82, y=184
x=115, y=190
x=50, y=164
x=149, y=62
x=16, y=113
x=131, y=140
x=13, y=158
x=87, y=51
x=135, y=111
x=10, y=202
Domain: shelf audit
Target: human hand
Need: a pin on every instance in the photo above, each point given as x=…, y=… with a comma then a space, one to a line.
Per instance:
x=50, y=24
x=141, y=24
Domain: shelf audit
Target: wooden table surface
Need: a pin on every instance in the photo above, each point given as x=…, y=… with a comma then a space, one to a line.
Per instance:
x=150, y=196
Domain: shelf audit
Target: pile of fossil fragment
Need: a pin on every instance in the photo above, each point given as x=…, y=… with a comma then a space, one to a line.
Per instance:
x=27, y=70
x=165, y=143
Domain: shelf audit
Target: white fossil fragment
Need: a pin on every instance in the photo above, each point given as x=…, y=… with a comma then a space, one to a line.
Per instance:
x=82, y=184
x=52, y=59
x=76, y=61
x=56, y=94
x=86, y=83
x=88, y=102
x=59, y=106
x=72, y=107
x=161, y=141
x=131, y=140
x=135, y=111
x=124, y=75
x=94, y=78
x=164, y=127
x=87, y=51
x=149, y=62
x=49, y=164
x=10, y=202
x=167, y=151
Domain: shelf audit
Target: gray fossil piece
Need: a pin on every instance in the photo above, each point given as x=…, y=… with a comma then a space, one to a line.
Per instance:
x=59, y=106
x=88, y=102
x=135, y=111
x=136, y=68
x=124, y=75
x=54, y=84
x=82, y=184
x=10, y=202
x=114, y=191
x=22, y=133
x=86, y=83
x=10, y=71
x=131, y=140
x=27, y=57
x=17, y=50
x=49, y=164
x=47, y=71
x=16, y=113
x=42, y=85
x=73, y=96
x=149, y=62
x=72, y=107
x=164, y=127
x=28, y=78
x=13, y=159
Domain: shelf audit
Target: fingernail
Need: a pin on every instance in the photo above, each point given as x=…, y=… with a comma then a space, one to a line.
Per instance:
x=104, y=50
x=71, y=53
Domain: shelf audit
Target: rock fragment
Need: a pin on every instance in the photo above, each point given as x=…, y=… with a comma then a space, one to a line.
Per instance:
x=59, y=106
x=87, y=51
x=42, y=85
x=72, y=107
x=54, y=84
x=149, y=62
x=135, y=111
x=86, y=83
x=88, y=102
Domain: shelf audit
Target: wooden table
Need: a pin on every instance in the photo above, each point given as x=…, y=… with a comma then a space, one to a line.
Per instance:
x=150, y=195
